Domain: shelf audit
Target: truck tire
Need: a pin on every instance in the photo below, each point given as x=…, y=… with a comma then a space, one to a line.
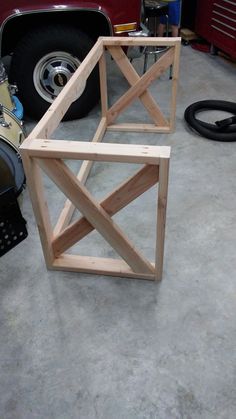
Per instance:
x=43, y=62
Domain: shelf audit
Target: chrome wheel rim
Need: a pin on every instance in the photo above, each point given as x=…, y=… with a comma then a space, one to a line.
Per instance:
x=52, y=73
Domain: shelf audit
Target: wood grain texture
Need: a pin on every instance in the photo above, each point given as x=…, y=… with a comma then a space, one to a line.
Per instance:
x=98, y=266
x=83, y=173
x=161, y=215
x=78, y=150
x=132, y=76
x=140, y=41
x=103, y=84
x=129, y=190
x=137, y=89
x=95, y=214
x=175, y=78
x=131, y=127
x=39, y=204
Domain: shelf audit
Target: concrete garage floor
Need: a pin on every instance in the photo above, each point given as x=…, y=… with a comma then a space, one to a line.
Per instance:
x=76, y=346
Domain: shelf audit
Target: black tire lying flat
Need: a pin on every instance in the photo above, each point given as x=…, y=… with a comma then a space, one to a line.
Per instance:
x=43, y=62
x=211, y=131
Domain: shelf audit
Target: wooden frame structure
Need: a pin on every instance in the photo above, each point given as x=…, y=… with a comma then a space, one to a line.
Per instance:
x=40, y=152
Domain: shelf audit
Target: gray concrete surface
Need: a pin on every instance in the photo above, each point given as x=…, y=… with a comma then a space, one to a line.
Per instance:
x=77, y=346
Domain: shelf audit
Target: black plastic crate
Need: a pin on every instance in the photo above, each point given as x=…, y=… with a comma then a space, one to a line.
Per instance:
x=12, y=224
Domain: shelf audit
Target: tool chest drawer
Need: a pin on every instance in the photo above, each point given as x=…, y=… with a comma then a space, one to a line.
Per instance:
x=217, y=23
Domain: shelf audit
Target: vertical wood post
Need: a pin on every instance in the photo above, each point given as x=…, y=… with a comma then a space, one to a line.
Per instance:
x=161, y=215
x=175, y=77
x=39, y=204
x=103, y=83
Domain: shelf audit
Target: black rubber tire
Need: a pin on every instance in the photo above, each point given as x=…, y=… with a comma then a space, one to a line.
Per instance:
x=32, y=48
x=211, y=131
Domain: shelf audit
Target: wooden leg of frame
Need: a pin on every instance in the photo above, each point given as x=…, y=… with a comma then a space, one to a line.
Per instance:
x=39, y=204
x=161, y=215
x=175, y=77
x=103, y=84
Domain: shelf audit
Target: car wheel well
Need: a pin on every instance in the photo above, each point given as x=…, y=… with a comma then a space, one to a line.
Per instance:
x=93, y=23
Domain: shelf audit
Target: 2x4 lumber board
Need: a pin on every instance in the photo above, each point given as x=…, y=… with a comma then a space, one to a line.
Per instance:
x=95, y=214
x=39, y=204
x=161, y=215
x=175, y=77
x=103, y=84
x=140, y=86
x=140, y=41
x=73, y=89
x=82, y=176
x=96, y=265
x=132, y=127
x=87, y=164
x=132, y=76
x=122, y=153
x=129, y=190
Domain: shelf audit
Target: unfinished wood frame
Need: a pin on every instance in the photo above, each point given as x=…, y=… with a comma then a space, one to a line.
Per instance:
x=48, y=155
x=40, y=152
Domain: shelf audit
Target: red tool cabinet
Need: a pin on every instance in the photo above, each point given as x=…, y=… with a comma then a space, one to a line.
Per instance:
x=216, y=22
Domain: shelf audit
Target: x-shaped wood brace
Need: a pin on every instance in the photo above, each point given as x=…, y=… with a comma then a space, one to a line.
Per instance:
x=139, y=85
x=98, y=215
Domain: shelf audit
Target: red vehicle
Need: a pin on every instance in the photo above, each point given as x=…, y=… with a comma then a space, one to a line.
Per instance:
x=48, y=39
